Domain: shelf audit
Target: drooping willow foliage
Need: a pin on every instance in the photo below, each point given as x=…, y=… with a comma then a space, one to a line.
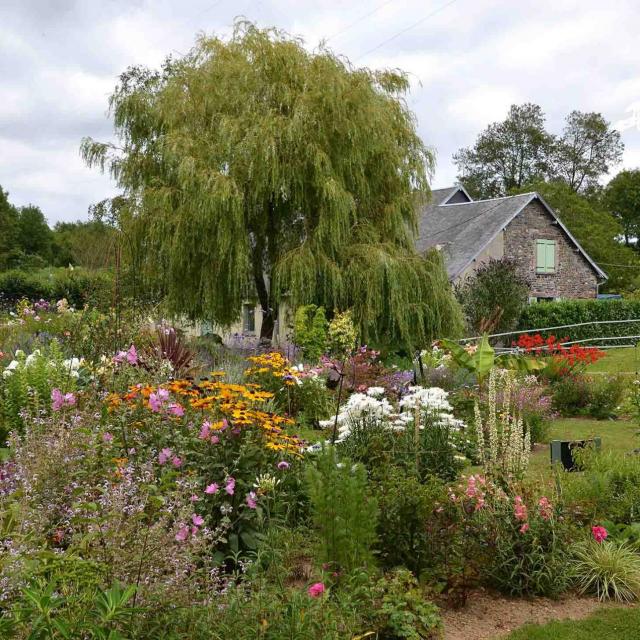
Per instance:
x=254, y=167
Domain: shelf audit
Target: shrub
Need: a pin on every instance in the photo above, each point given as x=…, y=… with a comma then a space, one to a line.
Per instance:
x=554, y=314
x=310, y=331
x=496, y=293
x=608, y=569
x=342, y=335
x=343, y=512
x=596, y=396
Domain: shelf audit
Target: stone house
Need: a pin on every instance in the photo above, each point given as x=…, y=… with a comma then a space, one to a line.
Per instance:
x=523, y=227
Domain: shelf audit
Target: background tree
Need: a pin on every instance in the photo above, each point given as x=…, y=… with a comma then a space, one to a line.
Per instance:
x=597, y=231
x=510, y=154
x=506, y=154
x=9, y=227
x=622, y=196
x=586, y=150
x=252, y=164
x=495, y=293
x=34, y=236
x=89, y=244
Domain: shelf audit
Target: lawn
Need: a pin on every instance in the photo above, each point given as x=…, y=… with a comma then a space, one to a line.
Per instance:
x=608, y=624
x=622, y=360
x=617, y=435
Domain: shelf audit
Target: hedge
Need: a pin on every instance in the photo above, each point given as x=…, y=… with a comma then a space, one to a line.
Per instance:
x=78, y=286
x=552, y=314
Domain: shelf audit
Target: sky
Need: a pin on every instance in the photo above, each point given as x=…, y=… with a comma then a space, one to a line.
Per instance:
x=468, y=61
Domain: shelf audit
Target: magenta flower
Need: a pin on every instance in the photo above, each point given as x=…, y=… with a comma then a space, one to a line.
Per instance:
x=176, y=409
x=107, y=437
x=164, y=455
x=316, y=589
x=176, y=462
x=283, y=464
x=183, y=534
x=252, y=500
x=599, y=534
x=197, y=520
x=231, y=485
x=212, y=488
x=132, y=355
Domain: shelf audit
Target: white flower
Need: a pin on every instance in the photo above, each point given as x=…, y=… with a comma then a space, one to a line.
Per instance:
x=375, y=392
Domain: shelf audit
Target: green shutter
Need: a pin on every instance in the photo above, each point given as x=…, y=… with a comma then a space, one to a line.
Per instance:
x=545, y=256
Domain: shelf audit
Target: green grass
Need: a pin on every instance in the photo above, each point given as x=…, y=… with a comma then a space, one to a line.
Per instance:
x=623, y=360
x=617, y=435
x=608, y=624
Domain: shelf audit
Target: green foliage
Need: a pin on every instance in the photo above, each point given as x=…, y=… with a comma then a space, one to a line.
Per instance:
x=78, y=286
x=299, y=173
x=310, y=331
x=342, y=335
x=622, y=196
x=598, y=396
x=494, y=290
x=552, y=314
x=343, y=512
x=608, y=569
x=90, y=244
x=407, y=509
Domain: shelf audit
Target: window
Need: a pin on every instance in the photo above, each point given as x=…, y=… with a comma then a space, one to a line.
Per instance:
x=545, y=256
x=248, y=318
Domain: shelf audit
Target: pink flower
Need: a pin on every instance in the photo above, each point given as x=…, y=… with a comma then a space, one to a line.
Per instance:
x=283, y=464
x=107, y=437
x=155, y=404
x=176, y=462
x=545, y=508
x=251, y=500
x=163, y=394
x=176, y=409
x=164, y=455
x=316, y=589
x=204, y=431
x=524, y=528
x=231, y=486
x=194, y=498
x=215, y=439
x=599, y=534
x=197, y=520
x=132, y=355
x=59, y=400
x=120, y=357
x=183, y=533
x=520, y=509
x=212, y=488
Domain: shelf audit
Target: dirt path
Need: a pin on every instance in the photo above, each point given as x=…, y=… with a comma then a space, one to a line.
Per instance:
x=487, y=616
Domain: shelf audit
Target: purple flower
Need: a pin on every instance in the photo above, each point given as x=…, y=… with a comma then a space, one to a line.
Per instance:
x=283, y=464
x=252, y=500
x=107, y=437
x=59, y=400
x=204, y=431
x=231, y=485
x=212, y=488
x=155, y=403
x=163, y=394
x=197, y=520
x=164, y=455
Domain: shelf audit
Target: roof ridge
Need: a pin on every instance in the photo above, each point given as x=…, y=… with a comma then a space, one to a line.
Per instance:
x=454, y=204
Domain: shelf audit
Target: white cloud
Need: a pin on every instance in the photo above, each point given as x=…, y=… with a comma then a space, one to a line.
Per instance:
x=468, y=62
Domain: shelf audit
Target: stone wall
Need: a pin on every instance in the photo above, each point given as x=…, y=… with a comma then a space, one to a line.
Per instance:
x=573, y=278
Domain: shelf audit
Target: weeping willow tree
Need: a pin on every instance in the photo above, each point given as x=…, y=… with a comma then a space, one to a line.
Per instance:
x=254, y=167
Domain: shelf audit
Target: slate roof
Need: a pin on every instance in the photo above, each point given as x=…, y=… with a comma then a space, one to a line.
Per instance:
x=463, y=230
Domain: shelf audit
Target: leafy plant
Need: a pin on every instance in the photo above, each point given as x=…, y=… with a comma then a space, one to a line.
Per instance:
x=310, y=331
x=344, y=513
x=608, y=569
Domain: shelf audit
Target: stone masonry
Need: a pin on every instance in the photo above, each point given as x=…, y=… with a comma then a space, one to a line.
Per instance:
x=574, y=277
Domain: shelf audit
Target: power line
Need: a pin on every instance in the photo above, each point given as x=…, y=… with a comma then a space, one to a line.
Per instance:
x=355, y=22
x=403, y=31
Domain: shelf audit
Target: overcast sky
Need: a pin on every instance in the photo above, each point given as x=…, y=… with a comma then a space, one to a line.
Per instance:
x=469, y=61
